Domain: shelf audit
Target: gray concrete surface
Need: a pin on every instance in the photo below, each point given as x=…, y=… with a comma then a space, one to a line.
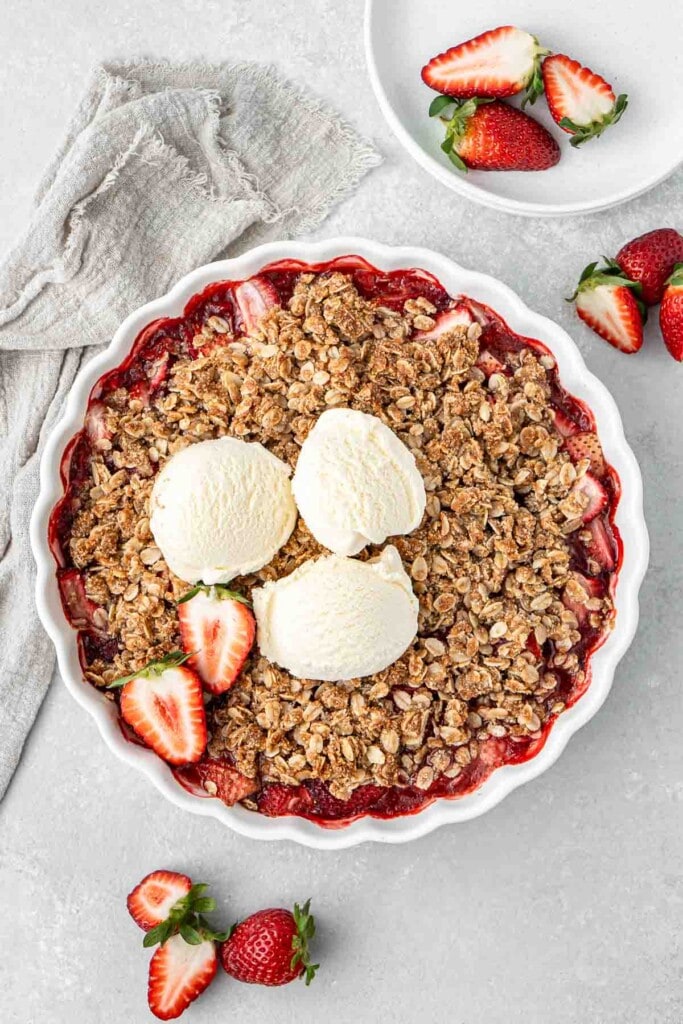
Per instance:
x=561, y=906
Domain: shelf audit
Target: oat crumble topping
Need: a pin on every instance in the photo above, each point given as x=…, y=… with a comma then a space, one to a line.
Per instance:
x=490, y=562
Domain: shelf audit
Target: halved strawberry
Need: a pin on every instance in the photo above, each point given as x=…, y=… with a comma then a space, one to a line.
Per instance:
x=601, y=547
x=254, y=298
x=152, y=899
x=487, y=135
x=178, y=973
x=581, y=102
x=458, y=316
x=218, y=631
x=495, y=64
x=277, y=800
x=586, y=445
x=221, y=779
x=164, y=704
x=609, y=303
x=563, y=425
x=590, y=587
x=488, y=363
x=596, y=494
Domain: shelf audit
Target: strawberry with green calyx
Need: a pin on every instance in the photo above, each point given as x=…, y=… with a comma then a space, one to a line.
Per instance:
x=580, y=101
x=186, y=918
x=495, y=64
x=216, y=624
x=488, y=135
x=671, y=313
x=186, y=961
x=164, y=704
x=271, y=947
x=609, y=302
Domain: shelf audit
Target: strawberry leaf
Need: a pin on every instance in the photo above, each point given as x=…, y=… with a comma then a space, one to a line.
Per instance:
x=305, y=930
x=439, y=104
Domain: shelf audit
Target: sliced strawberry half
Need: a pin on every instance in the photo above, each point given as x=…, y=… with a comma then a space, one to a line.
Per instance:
x=449, y=320
x=254, y=298
x=609, y=303
x=495, y=64
x=218, y=630
x=152, y=899
x=221, y=779
x=164, y=704
x=598, y=499
x=586, y=445
x=601, y=547
x=563, y=425
x=178, y=973
x=591, y=588
x=581, y=102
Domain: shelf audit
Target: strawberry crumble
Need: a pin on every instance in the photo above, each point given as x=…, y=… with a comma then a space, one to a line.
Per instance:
x=513, y=563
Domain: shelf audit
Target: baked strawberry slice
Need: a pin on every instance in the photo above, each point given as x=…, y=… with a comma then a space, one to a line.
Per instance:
x=164, y=704
x=650, y=260
x=586, y=445
x=218, y=630
x=487, y=135
x=671, y=313
x=178, y=973
x=449, y=320
x=592, y=489
x=221, y=779
x=78, y=607
x=578, y=591
x=488, y=363
x=609, y=303
x=152, y=899
x=276, y=800
x=95, y=422
x=563, y=425
x=601, y=547
x=581, y=102
x=495, y=64
x=254, y=298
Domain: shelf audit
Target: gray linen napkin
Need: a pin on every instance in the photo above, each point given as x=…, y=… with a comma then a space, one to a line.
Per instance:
x=163, y=167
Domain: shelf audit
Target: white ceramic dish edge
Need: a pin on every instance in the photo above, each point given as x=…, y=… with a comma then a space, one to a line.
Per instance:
x=629, y=519
x=459, y=183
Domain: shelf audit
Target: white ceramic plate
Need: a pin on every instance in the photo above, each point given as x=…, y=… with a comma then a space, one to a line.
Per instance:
x=639, y=55
x=629, y=520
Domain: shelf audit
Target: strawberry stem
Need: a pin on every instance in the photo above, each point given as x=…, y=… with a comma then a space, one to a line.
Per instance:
x=153, y=668
x=305, y=930
x=186, y=918
x=218, y=590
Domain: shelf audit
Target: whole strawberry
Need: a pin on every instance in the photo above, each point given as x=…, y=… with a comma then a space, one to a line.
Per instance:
x=487, y=135
x=650, y=259
x=271, y=947
x=671, y=313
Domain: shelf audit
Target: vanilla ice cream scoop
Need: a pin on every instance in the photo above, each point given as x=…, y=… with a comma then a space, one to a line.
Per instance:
x=220, y=509
x=356, y=483
x=336, y=618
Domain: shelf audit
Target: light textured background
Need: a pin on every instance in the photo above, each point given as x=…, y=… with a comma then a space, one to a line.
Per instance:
x=561, y=906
